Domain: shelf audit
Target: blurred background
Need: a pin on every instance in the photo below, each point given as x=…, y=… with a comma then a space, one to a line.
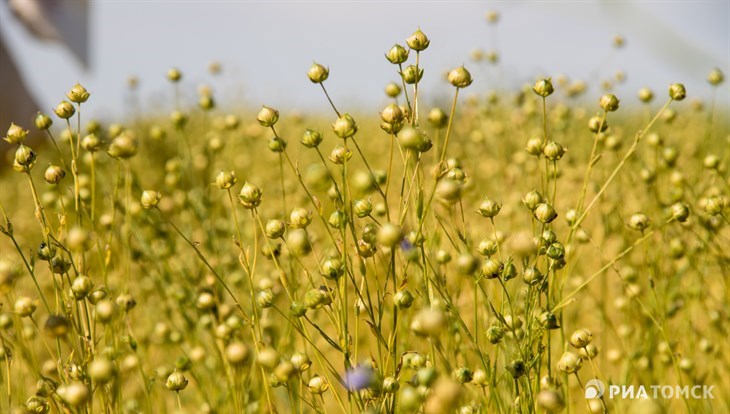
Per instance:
x=265, y=48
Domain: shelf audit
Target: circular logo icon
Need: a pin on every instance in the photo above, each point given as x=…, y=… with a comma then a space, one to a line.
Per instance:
x=594, y=389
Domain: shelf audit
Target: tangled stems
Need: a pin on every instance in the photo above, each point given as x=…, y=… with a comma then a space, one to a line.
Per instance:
x=591, y=162
x=618, y=167
x=448, y=127
x=202, y=258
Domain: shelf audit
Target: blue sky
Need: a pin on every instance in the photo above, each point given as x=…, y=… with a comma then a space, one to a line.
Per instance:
x=266, y=48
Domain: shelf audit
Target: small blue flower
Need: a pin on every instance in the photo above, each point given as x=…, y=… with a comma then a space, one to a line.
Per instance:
x=359, y=378
x=406, y=246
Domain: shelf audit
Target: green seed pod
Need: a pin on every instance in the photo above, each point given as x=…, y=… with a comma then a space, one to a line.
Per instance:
x=316, y=298
x=390, y=385
x=509, y=271
x=298, y=242
x=311, y=138
x=178, y=119
x=418, y=41
x=392, y=90
x=428, y=322
x=532, y=199
x=711, y=162
x=56, y=326
x=157, y=133
x=206, y=102
x=250, y=196
x=102, y=370
x=91, y=143
x=64, y=110
x=16, y=134
x=332, y=268
x=492, y=16
x=638, y=222
x=79, y=239
x=442, y=257
x=24, y=306
x=412, y=138
x=535, y=146
x=318, y=73
x=463, y=375
x=403, y=299
x=460, y=77
x=580, y=338
x=491, y=268
x=532, y=276
x=556, y=251
x=25, y=156
x=300, y=361
x=74, y=394
x=677, y=91
x=366, y=249
x=176, y=382
x=549, y=321
x=517, y=368
x=397, y=54
x=570, y=363
x=225, y=179
x=123, y=146
x=487, y=247
x=300, y=218
x=715, y=205
x=271, y=252
x=495, y=334
x=345, y=126
x=340, y=154
x=78, y=94
x=237, y=353
x=59, y=265
x=43, y=121
x=267, y=116
x=150, y=198
x=389, y=235
x=317, y=385
x=645, y=95
x=596, y=123
x=37, y=404
x=362, y=208
x=609, y=102
x=370, y=233
x=275, y=228
x=46, y=251
x=93, y=127
x=338, y=219
x=392, y=114
x=54, y=174
x=265, y=298
x=589, y=351
x=126, y=302
x=174, y=75
x=715, y=77
x=115, y=130
x=553, y=151
x=81, y=287
x=449, y=191
x=411, y=74
x=277, y=144
x=551, y=400
x=543, y=87
x=489, y=208
x=545, y=213
x=437, y=118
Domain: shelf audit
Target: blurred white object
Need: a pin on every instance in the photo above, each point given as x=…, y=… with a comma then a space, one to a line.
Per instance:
x=66, y=22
